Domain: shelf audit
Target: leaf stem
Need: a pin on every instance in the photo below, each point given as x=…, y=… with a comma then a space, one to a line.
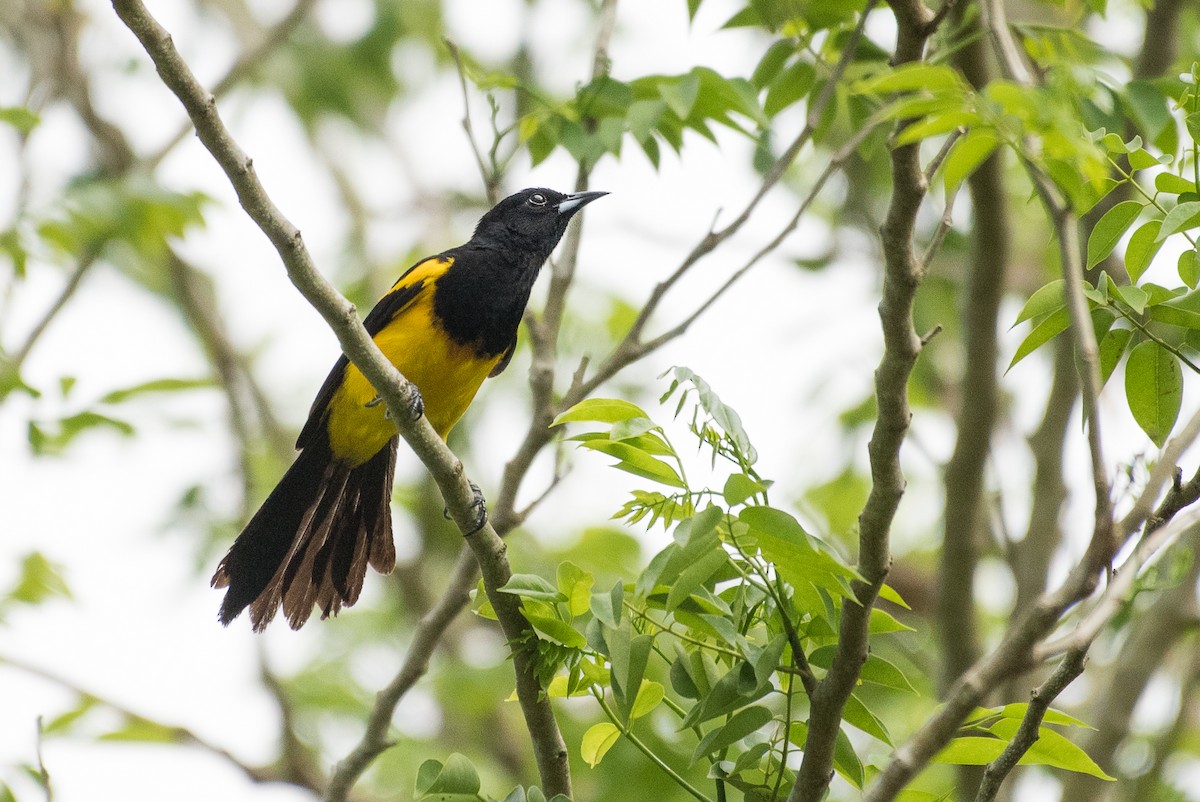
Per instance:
x=1132, y=318
x=647, y=751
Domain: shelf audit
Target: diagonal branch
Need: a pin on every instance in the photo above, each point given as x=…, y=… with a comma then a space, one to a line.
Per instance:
x=398, y=392
x=416, y=662
x=247, y=62
x=1027, y=735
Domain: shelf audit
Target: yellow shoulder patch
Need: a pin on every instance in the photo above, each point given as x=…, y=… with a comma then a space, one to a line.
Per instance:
x=427, y=270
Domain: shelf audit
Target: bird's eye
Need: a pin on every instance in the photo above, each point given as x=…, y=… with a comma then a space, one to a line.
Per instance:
x=537, y=199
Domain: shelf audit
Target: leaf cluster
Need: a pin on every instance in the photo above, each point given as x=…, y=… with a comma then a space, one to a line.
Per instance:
x=1154, y=328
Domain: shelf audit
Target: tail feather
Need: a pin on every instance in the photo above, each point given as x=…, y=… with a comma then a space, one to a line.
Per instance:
x=312, y=539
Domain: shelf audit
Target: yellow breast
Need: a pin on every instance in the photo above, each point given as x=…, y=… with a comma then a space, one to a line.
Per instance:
x=447, y=374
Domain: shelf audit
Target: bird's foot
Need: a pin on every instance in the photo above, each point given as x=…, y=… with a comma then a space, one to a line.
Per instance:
x=416, y=405
x=478, y=509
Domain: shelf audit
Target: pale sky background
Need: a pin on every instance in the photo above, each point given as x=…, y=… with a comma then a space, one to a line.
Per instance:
x=788, y=349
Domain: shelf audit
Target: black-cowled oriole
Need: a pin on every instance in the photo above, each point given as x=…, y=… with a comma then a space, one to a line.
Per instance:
x=447, y=324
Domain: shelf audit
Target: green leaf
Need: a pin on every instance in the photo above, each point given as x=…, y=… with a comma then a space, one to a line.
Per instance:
x=680, y=93
x=876, y=670
x=742, y=723
x=455, y=781
x=739, y=487
x=1108, y=230
x=1112, y=348
x=1149, y=106
x=532, y=586
x=558, y=631
x=767, y=660
x=576, y=585
x=888, y=593
x=1183, y=217
x=628, y=655
x=1154, y=389
x=1135, y=297
x=913, y=76
x=1141, y=160
x=63, y=721
x=1189, y=268
x=600, y=410
x=20, y=118
x=1172, y=184
x=1051, y=749
x=156, y=386
x=1142, y=247
x=856, y=713
x=631, y=429
x=649, y=696
x=772, y=62
x=724, y=415
x=1046, y=300
x=936, y=125
x=1041, y=334
x=970, y=750
x=694, y=576
x=794, y=83
x=1051, y=716
x=40, y=579
x=968, y=153
x=735, y=689
x=607, y=607
x=1175, y=316
x=794, y=553
x=883, y=622
x=636, y=461
x=700, y=528
x=1113, y=143
x=597, y=741
x=136, y=728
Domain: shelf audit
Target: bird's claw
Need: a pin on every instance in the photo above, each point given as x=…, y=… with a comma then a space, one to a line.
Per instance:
x=416, y=405
x=478, y=507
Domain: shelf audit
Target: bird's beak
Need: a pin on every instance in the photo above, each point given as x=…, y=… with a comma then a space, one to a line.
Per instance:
x=573, y=203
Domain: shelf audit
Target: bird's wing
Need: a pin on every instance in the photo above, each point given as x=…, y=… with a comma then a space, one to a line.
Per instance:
x=415, y=281
x=504, y=360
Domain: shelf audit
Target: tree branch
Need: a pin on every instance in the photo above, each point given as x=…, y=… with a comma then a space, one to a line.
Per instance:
x=1027, y=735
x=398, y=393
x=901, y=277
x=416, y=662
x=247, y=62
x=1148, y=644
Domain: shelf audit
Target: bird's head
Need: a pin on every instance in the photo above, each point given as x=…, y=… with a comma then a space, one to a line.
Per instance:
x=532, y=220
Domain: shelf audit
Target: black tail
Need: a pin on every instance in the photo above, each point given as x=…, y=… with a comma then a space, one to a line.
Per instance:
x=312, y=539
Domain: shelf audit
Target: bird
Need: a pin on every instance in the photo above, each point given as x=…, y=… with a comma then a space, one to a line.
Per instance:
x=448, y=323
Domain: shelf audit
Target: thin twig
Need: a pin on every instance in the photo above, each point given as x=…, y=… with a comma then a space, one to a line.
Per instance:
x=1027, y=735
x=425, y=638
x=43, y=773
x=181, y=735
x=87, y=258
x=648, y=752
x=1120, y=585
x=491, y=181
x=241, y=69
